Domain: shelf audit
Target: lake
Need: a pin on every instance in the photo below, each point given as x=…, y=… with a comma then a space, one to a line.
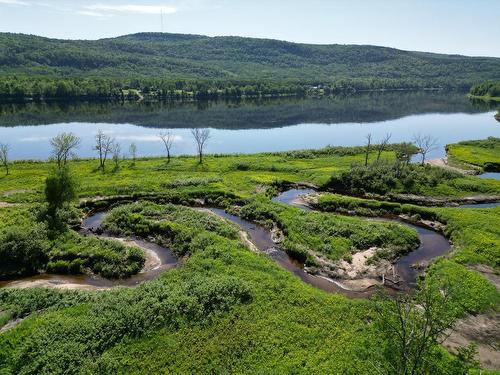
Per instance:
x=250, y=126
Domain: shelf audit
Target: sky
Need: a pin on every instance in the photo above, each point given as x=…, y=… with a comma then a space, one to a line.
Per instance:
x=467, y=27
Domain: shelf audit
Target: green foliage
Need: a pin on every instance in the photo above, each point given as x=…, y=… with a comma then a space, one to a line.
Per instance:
x=74, y=254
x=383, y=178
x=225, y=309
x=59, y=188
x=486, y=91
x=471, y=292
x=175, y=227
x=483, y=153
x=82, y=333
x=23, y=250
x=412, y=328
x=307, y=233
x=370, y=207
x=204, y=67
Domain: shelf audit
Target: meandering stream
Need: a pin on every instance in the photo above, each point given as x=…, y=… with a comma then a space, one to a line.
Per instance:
x=432, y=243
x=159, y=259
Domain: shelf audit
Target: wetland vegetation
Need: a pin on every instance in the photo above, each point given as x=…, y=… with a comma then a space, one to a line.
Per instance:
x=235, y=305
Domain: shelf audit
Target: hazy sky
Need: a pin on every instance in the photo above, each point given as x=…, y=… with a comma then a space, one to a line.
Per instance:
x=469, y=27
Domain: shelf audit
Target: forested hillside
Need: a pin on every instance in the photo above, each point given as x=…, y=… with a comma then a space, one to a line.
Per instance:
x=176, y=64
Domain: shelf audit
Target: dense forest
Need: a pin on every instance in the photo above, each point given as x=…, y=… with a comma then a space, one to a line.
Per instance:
x=175, y=66
x=486, y=90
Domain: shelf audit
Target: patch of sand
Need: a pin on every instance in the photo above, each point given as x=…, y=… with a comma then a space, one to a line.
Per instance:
x=484, y=330
x=443, y=163
x=16, y=191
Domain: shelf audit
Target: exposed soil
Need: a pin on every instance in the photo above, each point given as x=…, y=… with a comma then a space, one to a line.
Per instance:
x=8, y=193
x=482, y=329
x=7, y=204
x=443, y=163
x=11, y=324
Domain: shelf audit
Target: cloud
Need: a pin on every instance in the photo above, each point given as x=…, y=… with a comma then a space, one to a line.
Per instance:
x=34, y=139
x=127, y=8
x=91, y=13
x=144, y=138
x=13, y=2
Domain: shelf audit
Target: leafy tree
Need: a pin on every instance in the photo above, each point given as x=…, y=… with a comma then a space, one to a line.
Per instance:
x=63, y=146
x=414, y=326
x=23, y=250
x=60, y=189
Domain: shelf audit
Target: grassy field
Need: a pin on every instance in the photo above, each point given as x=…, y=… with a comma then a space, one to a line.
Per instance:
x=481, y=153
x=241, y=175
x=227, y=309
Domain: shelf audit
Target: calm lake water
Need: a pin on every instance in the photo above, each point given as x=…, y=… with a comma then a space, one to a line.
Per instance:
x=251, y=126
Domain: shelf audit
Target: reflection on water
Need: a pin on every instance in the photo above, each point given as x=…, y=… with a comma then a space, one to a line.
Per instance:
x=252, y=126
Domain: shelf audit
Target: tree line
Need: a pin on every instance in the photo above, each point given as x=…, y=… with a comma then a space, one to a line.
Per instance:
x=20, y=88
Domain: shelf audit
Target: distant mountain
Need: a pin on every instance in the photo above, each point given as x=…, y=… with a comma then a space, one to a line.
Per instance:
x=197, y=57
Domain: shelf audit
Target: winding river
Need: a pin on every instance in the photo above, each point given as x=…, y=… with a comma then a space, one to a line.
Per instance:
x=159, y=259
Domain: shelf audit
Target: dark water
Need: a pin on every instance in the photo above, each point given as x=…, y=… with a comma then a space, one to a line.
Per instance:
x=261, y=238
x=250, y=126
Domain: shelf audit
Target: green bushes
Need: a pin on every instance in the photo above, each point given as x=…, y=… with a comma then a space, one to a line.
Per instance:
x=172, y=226
x=486, y=90
x=331, y=235
x=369, y=207
x=27, y=250
x=383, y=178
x=80, y=334
x=74, y=254
x=23, y=250
x=190, y=182
x=472, y=293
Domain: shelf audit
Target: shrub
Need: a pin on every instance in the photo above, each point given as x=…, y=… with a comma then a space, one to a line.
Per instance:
x=23, y=250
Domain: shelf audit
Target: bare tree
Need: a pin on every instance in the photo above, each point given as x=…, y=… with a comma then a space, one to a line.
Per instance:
x=201, y=136
x=425, y=144
x=104, y=145
x=133, y=152
x=168, y=141
x=63, y=147
x=414, y=327
x=4, y=156
x=368, y=147
x=382, y=145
